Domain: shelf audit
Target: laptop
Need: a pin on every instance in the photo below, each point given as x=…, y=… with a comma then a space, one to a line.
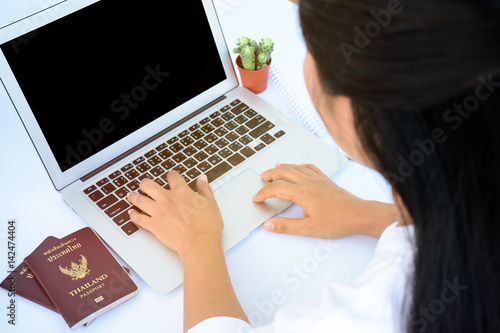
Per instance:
x=114, y=91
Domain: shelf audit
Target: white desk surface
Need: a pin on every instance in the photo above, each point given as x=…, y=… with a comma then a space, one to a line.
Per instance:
x=265, y=268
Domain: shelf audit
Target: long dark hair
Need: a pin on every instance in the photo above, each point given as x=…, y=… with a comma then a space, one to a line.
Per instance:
x=424, y=80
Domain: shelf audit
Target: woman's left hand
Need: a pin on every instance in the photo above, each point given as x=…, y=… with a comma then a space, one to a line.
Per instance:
x=179, y=217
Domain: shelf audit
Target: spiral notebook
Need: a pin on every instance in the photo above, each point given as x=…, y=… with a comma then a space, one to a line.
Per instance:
x=286, y=75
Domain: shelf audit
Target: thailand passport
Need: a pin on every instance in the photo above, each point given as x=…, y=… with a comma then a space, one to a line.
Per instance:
x=80, y=276
x=22, y=282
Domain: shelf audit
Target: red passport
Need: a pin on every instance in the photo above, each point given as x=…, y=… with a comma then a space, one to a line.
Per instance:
x=23, y=283
x=80, y=276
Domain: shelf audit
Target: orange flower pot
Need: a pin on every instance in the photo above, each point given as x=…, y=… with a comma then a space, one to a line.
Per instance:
x=256, y=81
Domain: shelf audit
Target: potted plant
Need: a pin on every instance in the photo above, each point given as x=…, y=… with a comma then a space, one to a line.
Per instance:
x=253, y=62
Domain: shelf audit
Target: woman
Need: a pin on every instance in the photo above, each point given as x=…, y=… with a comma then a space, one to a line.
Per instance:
x=411, y=89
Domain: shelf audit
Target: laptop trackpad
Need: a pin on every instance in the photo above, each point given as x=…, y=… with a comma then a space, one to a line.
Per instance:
x=237, y=207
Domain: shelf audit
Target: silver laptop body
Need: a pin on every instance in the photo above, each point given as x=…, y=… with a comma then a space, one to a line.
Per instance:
x=157, y=111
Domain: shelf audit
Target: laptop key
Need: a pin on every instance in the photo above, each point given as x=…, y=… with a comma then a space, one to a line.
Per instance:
x=260, y=146
x=107, y=201
x=227, y=116
x=138, y=160
x=235, y=146
x=168, y=164
x=121, y=218
x=211, y=138
x=180, y=168
x=235, y=102
x=117, y=208
x=161, y=147
x=279, y=134
x=235, y=159
x=189, y=151
x=267, y=138
x=108, y=188
x=193, y=173
x=165, y=154
x=194, y=127
x=231, y=125
x=179, y=157
x=176, y=147
x=150, y=153
x=121, y=192
x=242, y=130
x=247, y=152
x=102, y=182
x=183, y=133
x=241, y=119
x=114, y=175
x=204, y=166
x=200, y=156
x=133, y=185
x=157, y=171
x=232, y=136
x=155, y=160
x=172, y=140
x=250, y=113
x=225, y=153
x=200, y=144
x=96, y=195
x=143, y=167
x=254, y=122
x=214, y=159
x=221, y=143
x=90, y=189
x=261, y=129
x=132, y=174
x=127, y=167
x=207, y=128
x=245, y=140
x=190, y=162
x=242, y=107
x=129, y=228
x=120, y=181
x=197, y=134
x=218, y=171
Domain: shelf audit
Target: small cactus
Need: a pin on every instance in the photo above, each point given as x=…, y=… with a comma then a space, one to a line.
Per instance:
x=266, y=47
x=254, y=56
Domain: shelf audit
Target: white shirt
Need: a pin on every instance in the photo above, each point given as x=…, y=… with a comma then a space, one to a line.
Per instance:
x=373, y=303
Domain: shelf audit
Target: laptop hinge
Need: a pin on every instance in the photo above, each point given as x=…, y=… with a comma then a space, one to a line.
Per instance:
x=151, y=139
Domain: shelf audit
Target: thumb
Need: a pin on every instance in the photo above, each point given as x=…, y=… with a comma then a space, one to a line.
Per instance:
x=284, y=225
x=203, y=188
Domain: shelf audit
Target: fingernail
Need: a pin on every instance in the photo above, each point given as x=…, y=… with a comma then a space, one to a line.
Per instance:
x=277, y=164
x=204, y=178
x=269, y=225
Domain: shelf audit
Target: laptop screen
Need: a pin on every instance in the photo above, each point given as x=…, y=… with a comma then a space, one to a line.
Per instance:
x=95, y=76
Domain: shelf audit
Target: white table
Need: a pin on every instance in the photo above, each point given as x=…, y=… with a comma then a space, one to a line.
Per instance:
x=267, y=269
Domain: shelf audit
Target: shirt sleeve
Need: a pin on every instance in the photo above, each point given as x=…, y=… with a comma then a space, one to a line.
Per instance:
x=222, y=325
x=372, y=303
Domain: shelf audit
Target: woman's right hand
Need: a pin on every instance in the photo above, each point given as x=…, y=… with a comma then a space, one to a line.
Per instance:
x=329, y=210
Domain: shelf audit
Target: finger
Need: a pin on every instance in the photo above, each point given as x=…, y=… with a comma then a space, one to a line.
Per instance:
x=283, y=225
x=175, y=179
x=314, y=169
x=140, y=201
x=282, y=190
x=288, y=172
x=203, y=187
x=140, y=219
x=151, y=188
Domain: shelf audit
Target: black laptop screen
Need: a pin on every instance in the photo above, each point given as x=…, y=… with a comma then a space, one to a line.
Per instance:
x=97, y=75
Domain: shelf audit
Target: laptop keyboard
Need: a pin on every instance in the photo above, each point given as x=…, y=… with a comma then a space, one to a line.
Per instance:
x=213, y=146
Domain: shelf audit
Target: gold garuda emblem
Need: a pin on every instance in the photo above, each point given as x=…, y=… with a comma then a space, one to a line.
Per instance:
x=77, y=271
